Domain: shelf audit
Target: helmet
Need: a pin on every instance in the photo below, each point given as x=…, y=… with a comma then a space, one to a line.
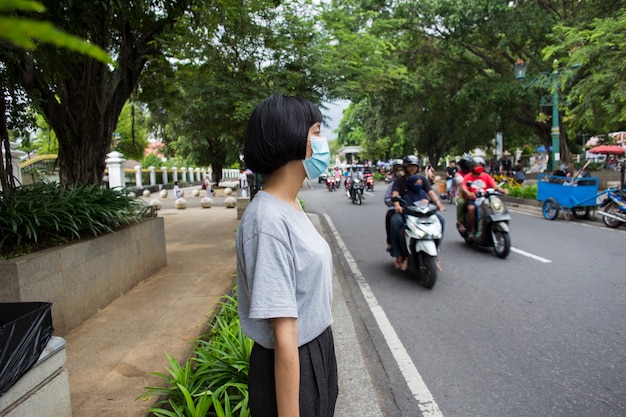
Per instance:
x=478, y=160
x=466, y=163
x=411, y=160
x=395, y=163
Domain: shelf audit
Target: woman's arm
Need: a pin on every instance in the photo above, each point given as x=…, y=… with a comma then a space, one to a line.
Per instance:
x=286, y=366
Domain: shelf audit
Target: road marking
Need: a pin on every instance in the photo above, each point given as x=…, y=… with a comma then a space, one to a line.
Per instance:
x=420, y=391
x=532, y=256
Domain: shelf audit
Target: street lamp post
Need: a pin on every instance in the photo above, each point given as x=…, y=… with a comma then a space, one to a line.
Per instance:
x=551, y=82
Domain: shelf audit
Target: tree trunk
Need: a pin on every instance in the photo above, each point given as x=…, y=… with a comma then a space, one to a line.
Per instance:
x=7, y=181
x=217, y=172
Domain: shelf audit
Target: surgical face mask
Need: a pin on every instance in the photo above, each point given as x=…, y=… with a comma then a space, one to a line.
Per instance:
x=399, y=173
x=478, y=170
x=318, y=162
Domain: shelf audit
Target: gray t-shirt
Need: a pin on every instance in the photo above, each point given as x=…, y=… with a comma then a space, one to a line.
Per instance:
x=284, y=269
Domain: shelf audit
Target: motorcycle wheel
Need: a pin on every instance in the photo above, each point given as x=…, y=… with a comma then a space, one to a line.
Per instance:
x=427, y=269
x=580, y=213
x=611, y=208
x=501, y=243
x=357, y=197
x=550, y=209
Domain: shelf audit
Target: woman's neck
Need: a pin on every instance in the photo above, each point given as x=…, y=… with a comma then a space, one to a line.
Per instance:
x=285, y=183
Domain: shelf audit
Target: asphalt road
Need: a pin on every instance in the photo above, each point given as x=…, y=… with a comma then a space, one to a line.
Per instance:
x=541, y=333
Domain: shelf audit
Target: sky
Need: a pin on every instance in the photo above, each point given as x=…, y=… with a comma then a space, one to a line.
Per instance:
x=332, y=116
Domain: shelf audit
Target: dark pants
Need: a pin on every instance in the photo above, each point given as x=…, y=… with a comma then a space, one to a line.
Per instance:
x=387, y=223
x=318, y=379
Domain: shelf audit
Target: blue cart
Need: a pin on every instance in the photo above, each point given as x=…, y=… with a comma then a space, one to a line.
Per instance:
x=576, y=195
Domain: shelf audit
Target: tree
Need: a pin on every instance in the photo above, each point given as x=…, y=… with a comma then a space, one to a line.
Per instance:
x=599, y=48
x=21, y=33
x=81, y=98
x=221, y=63
x=457, y=87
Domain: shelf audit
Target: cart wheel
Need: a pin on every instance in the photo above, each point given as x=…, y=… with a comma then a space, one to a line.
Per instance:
x=580, y=213
x=550, y=209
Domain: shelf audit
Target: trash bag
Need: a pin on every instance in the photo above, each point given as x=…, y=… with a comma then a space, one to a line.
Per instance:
x=25, y=329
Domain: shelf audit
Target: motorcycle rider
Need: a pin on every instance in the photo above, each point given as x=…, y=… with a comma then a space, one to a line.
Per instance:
x=397, y=171
x=477, y=180
x=451, y=171
x=354, y=174
x=399, y=189
x=337, y=176
x=465, y=167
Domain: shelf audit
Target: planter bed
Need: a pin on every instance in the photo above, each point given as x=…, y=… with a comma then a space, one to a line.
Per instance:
x=84, y=276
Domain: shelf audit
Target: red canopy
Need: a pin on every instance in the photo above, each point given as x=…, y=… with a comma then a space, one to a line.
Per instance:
x=608, y=150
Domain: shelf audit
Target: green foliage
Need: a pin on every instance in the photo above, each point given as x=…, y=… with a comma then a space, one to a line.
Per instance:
x=132, y=127
x=151, y=160
x=42, y=215
x=25, y=33
x=526, y=192
x=214, y=381
x=599, y=47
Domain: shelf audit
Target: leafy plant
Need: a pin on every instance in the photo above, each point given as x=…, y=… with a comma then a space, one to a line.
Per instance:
x=526, y=192
x=45, y=214
x=213, y=382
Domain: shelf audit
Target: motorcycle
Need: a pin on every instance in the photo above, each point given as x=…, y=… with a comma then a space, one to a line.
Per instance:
x=356, y=193
x=369, y=182
x=614, y=208
x=493, y=225
x=330, y=183
x=421, y=228
x=614, y=205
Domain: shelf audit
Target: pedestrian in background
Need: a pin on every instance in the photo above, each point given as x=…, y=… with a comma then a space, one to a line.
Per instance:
x=208, y=186
x=285, y=268
x=243, y=182
x=176, y=190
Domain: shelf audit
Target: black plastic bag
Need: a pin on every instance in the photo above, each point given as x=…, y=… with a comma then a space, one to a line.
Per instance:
x=25, y=329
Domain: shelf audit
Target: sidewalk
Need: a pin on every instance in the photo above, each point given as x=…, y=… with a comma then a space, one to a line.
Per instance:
x=111, y=355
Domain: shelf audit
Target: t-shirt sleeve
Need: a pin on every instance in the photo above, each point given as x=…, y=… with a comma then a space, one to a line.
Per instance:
x=491, y=183
x=396, y=185
x=426, y=185
x=271, y=278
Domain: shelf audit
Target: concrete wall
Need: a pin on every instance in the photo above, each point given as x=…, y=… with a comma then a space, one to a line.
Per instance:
x=82, y=277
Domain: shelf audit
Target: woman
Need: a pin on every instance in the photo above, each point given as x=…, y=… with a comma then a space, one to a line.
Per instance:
x=284, y=267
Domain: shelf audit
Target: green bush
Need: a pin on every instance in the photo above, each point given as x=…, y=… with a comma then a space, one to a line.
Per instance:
x=42, y=215
x=526, y=192
x=213, y=382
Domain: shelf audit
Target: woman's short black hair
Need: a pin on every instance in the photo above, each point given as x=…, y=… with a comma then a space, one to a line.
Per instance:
x=278, y=131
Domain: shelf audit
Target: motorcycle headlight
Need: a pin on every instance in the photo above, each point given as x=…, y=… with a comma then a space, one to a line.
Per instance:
x=496, y=204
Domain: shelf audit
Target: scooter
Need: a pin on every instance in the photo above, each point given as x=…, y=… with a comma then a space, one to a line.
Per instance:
x=330, y=183
x=493, y=225
x=614, y=205
x=369, y=182
x=356, y=193
x=421, y=228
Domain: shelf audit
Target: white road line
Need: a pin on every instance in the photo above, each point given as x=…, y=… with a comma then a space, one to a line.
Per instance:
x=421, y=393
x=532, y=256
